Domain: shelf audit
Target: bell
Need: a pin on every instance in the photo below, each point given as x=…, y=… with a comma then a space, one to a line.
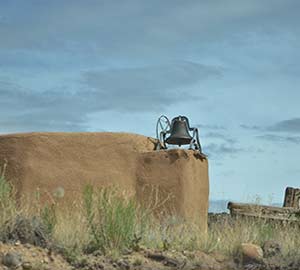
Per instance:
x=179, y=131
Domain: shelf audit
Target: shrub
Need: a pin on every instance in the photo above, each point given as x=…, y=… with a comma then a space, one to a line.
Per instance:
x=26, y=230
x=17, y=224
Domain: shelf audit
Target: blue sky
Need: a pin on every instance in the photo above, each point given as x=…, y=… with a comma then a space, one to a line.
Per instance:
x=231, y=66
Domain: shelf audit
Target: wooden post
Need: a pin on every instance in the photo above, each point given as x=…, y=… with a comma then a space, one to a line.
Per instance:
x=292, y=198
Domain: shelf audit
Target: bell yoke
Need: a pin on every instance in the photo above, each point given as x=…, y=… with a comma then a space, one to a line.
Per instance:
x=179, y=133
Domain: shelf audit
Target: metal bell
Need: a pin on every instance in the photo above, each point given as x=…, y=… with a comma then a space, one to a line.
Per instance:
x=179, y=131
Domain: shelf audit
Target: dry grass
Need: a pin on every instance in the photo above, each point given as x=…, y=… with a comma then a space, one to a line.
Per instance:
x=224, y=236
x=110, y=221
x=7, y=201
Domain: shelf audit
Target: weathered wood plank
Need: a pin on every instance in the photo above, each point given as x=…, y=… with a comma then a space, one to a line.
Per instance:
x=264, y=211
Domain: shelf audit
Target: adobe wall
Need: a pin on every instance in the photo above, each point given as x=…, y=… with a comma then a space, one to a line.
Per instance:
x=68, y=161
x=182, y=176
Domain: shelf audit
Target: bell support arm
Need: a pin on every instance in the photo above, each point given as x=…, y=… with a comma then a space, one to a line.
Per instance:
x=162, y=139
x=195, y=141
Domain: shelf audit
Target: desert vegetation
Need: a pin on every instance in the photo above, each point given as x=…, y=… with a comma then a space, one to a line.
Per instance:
x=110, y=222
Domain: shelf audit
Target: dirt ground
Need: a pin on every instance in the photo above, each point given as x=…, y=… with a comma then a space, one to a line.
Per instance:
x=28, y=257
x=19, y=256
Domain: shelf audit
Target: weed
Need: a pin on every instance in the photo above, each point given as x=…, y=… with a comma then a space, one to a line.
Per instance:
x=111, y=219
x=49, y=218
x=8, y=208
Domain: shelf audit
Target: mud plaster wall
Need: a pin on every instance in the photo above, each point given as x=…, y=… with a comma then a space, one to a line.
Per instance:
x=66, y=162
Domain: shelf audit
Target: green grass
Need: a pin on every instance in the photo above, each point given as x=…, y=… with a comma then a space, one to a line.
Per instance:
x=112, y=220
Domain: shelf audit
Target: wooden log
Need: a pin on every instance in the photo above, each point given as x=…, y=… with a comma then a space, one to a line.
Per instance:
x=264, y=211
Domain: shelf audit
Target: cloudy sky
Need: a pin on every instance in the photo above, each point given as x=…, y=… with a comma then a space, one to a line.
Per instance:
x=232, y=67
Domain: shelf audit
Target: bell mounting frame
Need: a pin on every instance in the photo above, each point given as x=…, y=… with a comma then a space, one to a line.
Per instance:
x=163, y=128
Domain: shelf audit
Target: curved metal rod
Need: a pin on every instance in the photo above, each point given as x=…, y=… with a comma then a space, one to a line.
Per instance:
x=162, y=134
